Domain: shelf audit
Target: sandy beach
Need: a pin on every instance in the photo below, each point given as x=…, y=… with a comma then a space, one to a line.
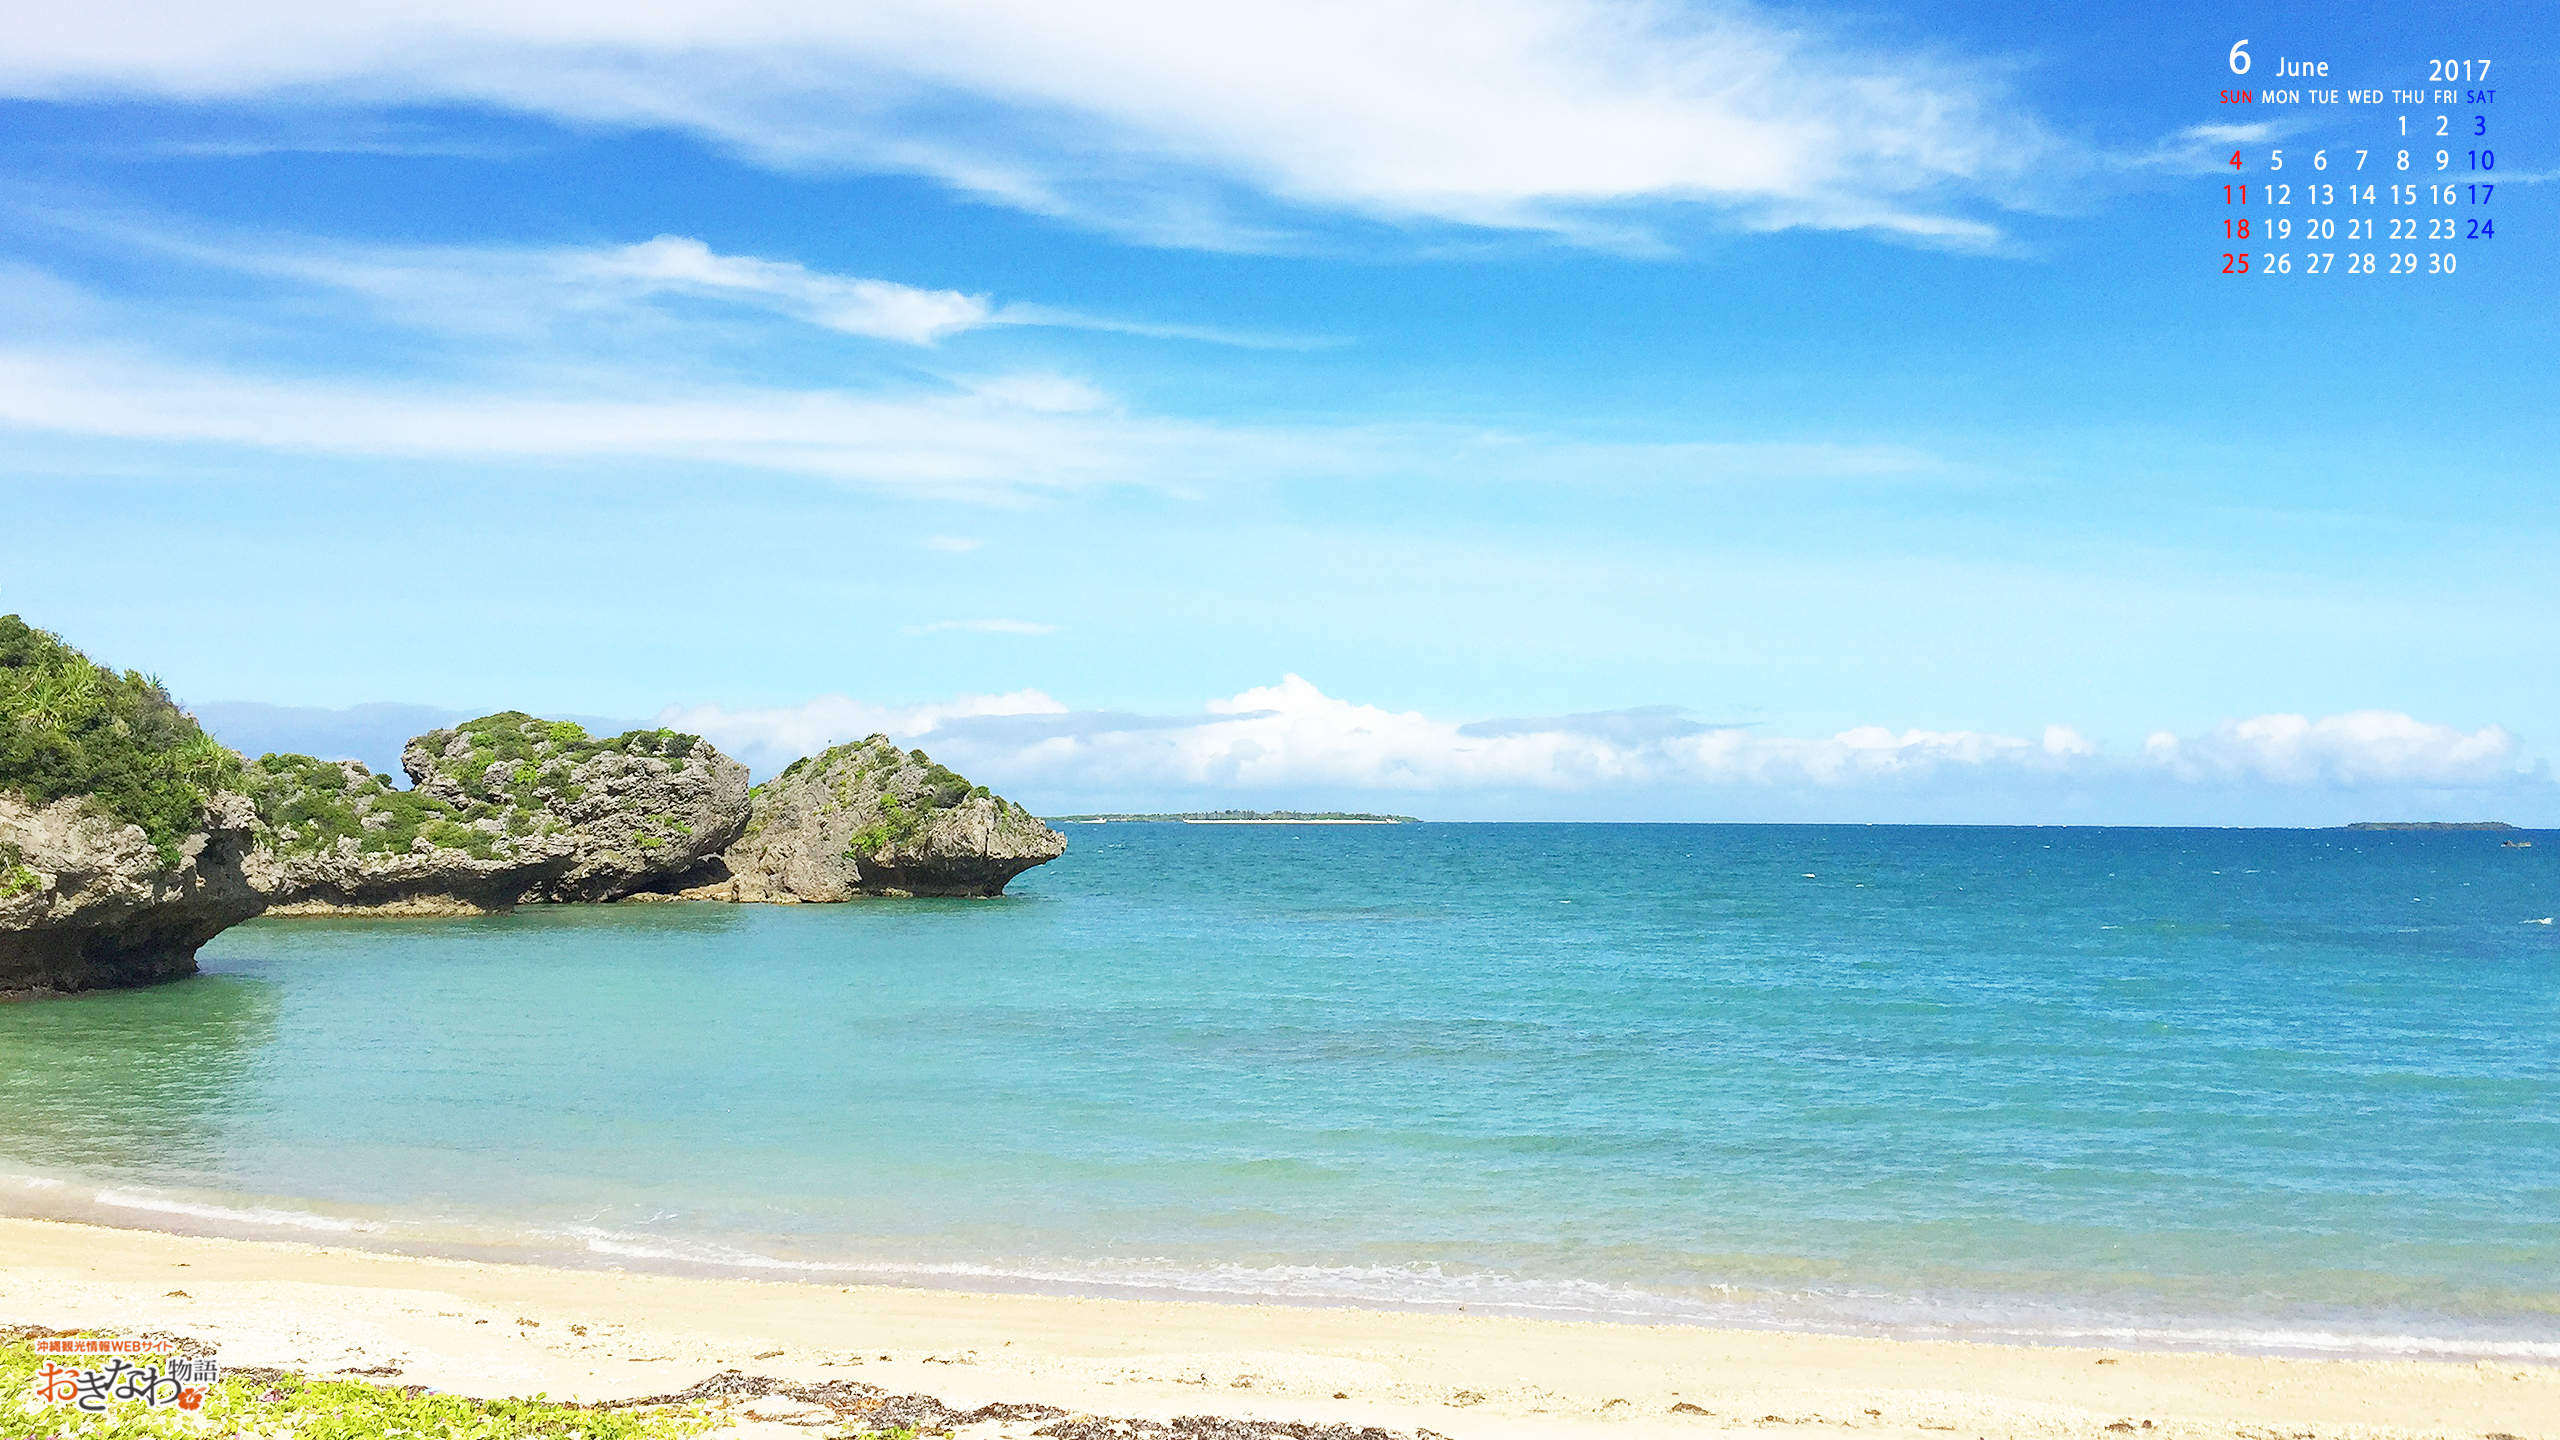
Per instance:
x=488, y=1329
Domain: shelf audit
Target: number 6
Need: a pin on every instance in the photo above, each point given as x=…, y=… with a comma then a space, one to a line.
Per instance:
x=2240, y=58
x=2319, y=159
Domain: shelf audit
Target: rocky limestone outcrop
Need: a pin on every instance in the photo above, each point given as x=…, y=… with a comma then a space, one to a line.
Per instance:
x=504, y=810
x=122, y=828
x=91, y=902
x=871, y=819
x=129, y=837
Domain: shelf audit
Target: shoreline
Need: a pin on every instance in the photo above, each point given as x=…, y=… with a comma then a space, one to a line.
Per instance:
x=483, y=1328
x=1960, y=1319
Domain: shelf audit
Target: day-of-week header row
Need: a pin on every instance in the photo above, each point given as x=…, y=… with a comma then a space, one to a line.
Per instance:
x=2272, y=96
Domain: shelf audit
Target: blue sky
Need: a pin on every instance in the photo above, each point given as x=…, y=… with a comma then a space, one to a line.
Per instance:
x=1602, y=410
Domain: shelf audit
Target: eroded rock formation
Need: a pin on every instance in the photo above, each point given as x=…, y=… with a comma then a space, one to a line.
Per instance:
x=122, y=829
x=88, y=901
x=129, y=837
x=504, y=810
x=871, y=819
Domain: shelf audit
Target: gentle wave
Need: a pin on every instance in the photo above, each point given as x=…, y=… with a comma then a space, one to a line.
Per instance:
x=1415, y=1286
x=2314, y=1342
x=235, y=1215
x=1432, y=1287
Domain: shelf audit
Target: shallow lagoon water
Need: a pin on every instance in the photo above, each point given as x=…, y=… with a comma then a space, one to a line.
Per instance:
x=2282, y=1090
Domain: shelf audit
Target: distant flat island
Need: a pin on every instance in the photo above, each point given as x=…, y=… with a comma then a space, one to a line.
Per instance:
x=1244, y=817
x=2431, y=825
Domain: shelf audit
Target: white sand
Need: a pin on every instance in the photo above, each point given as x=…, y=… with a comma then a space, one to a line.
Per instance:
x=486, y=1329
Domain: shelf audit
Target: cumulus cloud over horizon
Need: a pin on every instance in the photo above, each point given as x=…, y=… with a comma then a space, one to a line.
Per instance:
x=1187, y=124
x=2365, y=747
x=1292, y=739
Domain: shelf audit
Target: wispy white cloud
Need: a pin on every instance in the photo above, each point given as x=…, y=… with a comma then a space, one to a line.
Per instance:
x=881, y=309
x=1182, y=121
x=985, y=627
x=2206, y=149
x=2226, y=134
x=959, y=435
x=1064, y=318
x=515, y=289
x=1008, y=434
x=594, y=369
x=1292, y=738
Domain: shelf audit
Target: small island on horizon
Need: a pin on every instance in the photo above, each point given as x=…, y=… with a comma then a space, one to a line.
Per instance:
x=1243, y=817
x=2431, y=825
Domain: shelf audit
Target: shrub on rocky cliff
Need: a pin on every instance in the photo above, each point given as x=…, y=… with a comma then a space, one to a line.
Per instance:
x=516, y=759
x=307, y=806
x=71, y=727
x=507, y=809
x=17, y=877
x=868, y=818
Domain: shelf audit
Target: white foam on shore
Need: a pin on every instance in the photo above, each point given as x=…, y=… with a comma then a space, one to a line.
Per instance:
x=235, y=1215
x=1414, y=1285
x=1430, y=1287
x=2341, y=1343
x=38, y=1195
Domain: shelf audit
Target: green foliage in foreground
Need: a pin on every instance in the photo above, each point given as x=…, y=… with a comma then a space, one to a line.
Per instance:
x=70, y=726
x=306, y=1409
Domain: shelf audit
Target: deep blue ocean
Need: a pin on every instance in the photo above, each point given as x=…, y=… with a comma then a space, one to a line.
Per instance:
x=2295, y=1091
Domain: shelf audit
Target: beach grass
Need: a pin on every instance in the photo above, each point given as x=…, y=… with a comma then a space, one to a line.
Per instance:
x=266, y=1403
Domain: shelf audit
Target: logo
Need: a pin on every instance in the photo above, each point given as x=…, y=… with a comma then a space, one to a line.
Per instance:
x=159, y=1381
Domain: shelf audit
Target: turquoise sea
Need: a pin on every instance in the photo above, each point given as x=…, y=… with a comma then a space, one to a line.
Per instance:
x=2294, y=1091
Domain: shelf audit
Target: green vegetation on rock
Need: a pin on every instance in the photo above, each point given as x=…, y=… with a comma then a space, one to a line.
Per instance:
x=877, y=761
x=72, y=727
x=506, y=809
x=512, y=753
x=870, y=818
x=310, y=805
x=518, y=770
x=896, y=826
x=17, y=877
x=515, y=757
